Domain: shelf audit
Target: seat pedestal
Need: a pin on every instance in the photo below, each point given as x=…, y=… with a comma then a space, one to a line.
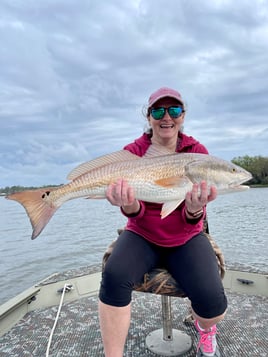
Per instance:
x=168, y=341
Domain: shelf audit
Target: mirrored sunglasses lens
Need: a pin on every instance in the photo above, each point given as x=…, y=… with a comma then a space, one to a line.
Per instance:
x=158, y=113
x=174, y=112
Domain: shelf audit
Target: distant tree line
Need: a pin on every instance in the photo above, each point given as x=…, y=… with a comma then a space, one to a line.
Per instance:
x=10, y=189
x=257, y=166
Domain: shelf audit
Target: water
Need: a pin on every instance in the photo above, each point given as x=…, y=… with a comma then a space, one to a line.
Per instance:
x=81, y=230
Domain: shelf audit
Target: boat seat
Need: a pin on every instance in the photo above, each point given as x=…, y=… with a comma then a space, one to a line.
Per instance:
x=168, y=341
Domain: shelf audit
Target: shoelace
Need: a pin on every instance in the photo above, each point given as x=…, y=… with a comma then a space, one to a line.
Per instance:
x=205, y=341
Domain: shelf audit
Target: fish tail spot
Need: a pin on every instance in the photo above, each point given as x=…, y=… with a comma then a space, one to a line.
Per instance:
x=46, y=194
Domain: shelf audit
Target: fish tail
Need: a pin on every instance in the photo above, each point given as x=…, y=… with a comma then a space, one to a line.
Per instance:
x=39, y=211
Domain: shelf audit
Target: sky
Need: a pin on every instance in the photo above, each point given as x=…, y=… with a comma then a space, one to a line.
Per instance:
x=76, y=75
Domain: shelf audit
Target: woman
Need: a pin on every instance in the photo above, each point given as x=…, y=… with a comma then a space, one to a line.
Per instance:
x=176, y=241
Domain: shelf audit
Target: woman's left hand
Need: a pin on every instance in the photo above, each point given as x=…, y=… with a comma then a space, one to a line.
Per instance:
x=199, y=197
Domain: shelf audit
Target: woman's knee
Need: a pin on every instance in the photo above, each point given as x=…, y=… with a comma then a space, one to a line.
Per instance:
x=116, y=285
x=117, y=274
x=210, y=305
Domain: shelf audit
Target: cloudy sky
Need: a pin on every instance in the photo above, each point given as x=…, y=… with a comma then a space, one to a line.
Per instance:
x=75, y=76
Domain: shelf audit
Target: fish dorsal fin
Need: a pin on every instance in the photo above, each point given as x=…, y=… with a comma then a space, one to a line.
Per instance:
x=118, y=156
x=157, y=150
x=169, y=207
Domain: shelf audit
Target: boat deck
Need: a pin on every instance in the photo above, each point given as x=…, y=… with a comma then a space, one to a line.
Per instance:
x=243, y=332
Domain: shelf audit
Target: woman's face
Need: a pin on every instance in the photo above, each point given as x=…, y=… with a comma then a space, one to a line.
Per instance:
x=167, y=127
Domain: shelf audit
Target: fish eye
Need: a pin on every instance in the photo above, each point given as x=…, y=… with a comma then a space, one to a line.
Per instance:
x=234, y=169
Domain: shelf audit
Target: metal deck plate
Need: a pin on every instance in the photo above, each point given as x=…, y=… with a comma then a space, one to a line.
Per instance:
x=243, y=332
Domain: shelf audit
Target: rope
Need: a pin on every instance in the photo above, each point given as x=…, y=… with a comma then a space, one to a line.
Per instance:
x=68, y=288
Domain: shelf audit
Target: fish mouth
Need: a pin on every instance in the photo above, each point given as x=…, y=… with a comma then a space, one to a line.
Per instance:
x=235, y=187
x=238, y=187
x=240, y=183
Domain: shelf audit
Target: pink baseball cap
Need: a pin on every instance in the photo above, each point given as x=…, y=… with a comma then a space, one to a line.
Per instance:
x=162, y=93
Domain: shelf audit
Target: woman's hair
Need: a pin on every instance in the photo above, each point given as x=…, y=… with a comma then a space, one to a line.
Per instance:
x=146, y=113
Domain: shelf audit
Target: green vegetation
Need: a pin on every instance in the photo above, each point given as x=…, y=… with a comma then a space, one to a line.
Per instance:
x=257, y=166
x=11, y=189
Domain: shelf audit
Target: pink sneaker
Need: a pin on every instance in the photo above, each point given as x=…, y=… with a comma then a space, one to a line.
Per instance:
x=207, y=345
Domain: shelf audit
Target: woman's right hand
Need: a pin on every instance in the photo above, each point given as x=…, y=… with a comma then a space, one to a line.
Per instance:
x=122, y=195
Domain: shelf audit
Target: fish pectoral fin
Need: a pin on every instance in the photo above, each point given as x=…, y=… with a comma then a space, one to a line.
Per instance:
x=176, y=181
x=169, y=207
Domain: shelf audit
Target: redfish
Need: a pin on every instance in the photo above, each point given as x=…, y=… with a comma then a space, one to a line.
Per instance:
x=159, y=176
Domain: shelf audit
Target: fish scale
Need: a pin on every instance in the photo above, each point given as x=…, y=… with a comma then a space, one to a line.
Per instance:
x=141, y=178
x=158, y=177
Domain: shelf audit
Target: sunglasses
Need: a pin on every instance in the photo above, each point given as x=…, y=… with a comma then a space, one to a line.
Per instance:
x=159, y=113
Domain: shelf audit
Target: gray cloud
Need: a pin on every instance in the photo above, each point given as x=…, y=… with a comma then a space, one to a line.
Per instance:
x=75, y=76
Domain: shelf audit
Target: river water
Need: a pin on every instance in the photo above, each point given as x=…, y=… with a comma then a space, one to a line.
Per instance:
x=81, y=230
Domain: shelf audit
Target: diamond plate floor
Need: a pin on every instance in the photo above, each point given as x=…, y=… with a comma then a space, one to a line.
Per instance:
x=243, y=332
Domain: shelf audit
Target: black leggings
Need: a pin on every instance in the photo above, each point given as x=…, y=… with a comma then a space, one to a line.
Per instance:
x=193, y=265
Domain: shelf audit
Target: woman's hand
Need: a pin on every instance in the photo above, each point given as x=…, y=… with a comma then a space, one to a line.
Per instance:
x=122, y=195
x=199, y=197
